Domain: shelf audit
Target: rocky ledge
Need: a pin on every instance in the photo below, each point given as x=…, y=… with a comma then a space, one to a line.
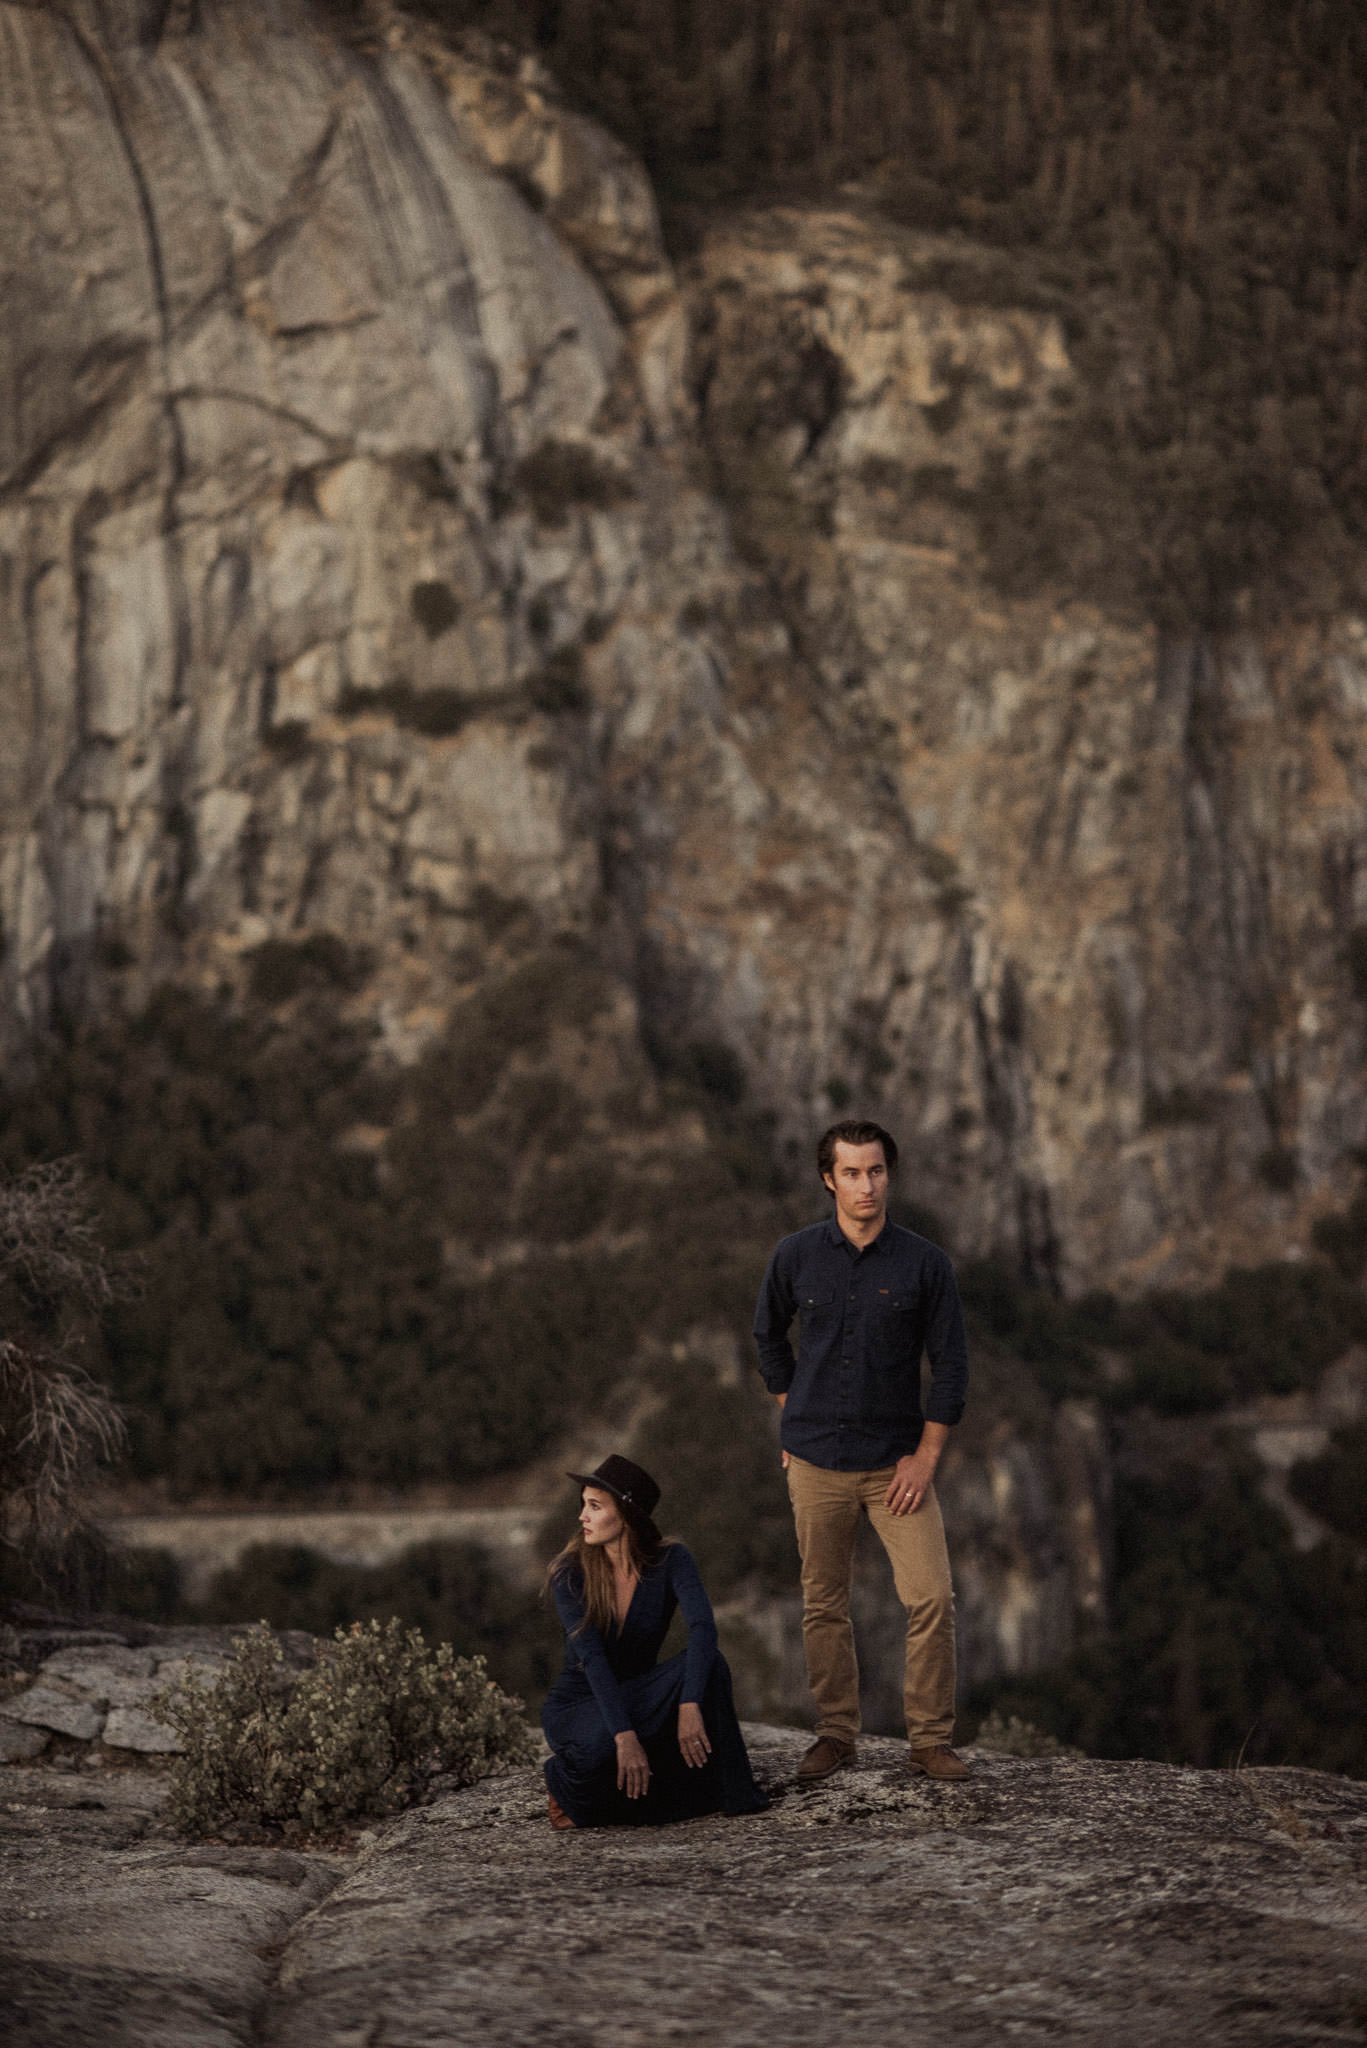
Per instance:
x=82, y=1697
x=1073, y=1901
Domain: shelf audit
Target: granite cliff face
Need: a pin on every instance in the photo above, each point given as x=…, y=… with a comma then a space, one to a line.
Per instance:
x=1104, y=953
x=390, y=543
x=279, y=619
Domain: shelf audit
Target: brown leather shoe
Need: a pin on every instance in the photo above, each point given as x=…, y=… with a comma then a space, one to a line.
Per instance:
x=828, y=1753
x=559, y=1817
x=939, y=1762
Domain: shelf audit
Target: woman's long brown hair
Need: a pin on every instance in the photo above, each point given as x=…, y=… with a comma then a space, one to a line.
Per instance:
x=594, y=1566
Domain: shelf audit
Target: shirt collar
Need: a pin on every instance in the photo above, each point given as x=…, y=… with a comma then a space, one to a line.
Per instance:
x=836, y=1238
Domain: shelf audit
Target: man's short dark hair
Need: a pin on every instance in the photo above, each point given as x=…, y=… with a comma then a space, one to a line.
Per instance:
x=853, y=1132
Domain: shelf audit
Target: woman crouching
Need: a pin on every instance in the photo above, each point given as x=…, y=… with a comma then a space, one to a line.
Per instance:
x=636, y=1741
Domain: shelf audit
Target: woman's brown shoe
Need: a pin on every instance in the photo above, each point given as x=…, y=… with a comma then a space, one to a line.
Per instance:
x=559, y=1817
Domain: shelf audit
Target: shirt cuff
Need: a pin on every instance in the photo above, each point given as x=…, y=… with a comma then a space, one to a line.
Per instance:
x=947, y=1412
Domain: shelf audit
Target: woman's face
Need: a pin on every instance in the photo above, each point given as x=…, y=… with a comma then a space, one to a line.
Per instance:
x=598, y=1516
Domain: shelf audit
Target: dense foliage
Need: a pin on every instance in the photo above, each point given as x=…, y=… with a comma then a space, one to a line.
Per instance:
x=1227, y=1644
x=1185, y=183
x=301, y=1324
x=1262, y=1330
x=359, y=1734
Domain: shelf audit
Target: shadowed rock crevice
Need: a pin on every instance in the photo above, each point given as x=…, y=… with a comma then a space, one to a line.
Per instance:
x=176, y=458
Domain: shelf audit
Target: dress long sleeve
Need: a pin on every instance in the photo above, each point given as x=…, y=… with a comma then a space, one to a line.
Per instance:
x=585, y=1644
x=696, y=1610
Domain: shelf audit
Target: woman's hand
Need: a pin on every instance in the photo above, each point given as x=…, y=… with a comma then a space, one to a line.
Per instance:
x=693, y=1742
x=633, y=1770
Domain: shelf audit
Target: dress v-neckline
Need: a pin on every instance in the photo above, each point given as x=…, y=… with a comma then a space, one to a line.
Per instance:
x=620, y=1620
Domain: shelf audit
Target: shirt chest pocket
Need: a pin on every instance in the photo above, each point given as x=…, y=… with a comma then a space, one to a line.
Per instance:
x=896, y=1304
x=817, y=1305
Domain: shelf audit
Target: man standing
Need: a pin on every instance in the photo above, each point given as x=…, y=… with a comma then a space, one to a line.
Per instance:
x=870, y=1298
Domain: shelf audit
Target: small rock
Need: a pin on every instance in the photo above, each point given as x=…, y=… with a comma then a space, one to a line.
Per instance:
x=93, y=1666
x=131, y=1728
x=43, y=1706
x=18, y=1743
x=37, y=1645
x=112, y=1675
x=175, y=1670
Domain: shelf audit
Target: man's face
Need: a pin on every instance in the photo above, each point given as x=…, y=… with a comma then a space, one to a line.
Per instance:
x=859, y=1182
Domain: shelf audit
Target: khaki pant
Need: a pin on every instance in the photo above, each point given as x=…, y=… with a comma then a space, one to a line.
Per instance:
x=826, y=1509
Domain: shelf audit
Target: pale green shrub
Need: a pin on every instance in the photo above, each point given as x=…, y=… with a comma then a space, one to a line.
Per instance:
x=361, y=1733
x=1011, y=1736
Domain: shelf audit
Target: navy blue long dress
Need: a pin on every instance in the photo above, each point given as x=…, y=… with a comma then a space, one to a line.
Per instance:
x=610, y=1685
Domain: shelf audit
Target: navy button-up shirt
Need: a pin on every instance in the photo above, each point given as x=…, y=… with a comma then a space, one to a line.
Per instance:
x=865, y=1317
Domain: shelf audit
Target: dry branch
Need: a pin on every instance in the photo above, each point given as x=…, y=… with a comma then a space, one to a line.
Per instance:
x=56, y=1422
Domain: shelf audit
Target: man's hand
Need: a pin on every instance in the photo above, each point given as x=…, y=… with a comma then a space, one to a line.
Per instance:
x=633, y=1769
x=693, y=1742
x=782, y=1400
x=912, y=1474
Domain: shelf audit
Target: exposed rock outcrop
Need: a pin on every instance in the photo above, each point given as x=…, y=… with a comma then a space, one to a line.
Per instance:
x=93, y=1688
x=1069, y=1901
x=368, y=565
x=115, y=1932
x=1074, y=1902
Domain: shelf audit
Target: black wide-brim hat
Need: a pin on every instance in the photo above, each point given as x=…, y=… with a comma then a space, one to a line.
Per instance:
x=633, y=1489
